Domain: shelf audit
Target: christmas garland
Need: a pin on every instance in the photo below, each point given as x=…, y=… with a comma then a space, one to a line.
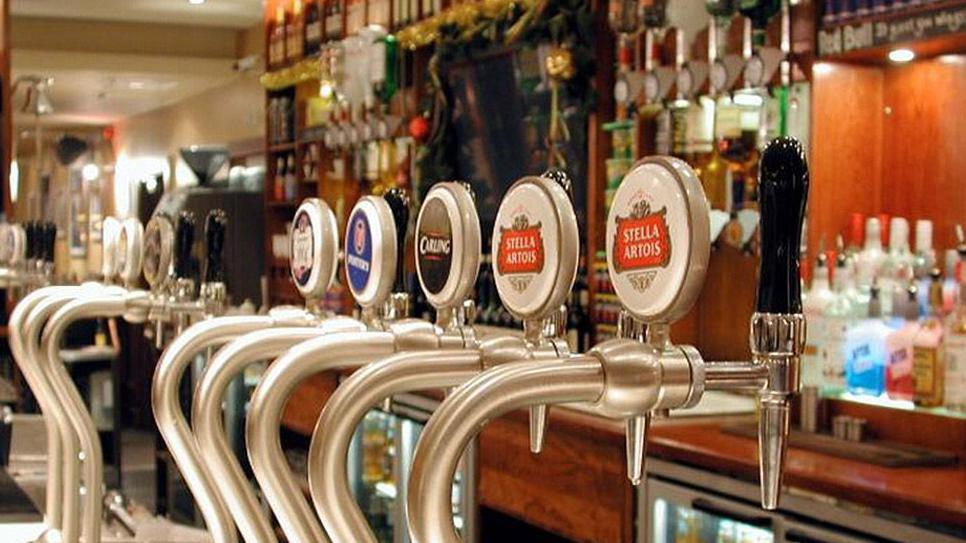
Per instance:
x=470, y=29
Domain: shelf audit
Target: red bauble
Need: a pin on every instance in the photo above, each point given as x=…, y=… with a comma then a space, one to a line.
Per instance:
x=419, y=128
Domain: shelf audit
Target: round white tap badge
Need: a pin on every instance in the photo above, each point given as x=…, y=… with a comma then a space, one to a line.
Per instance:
x=314, y=248
x=158, y=249
x=110, y=232
x=536, y=244
x=129, y=245
x=657, y=239
x=370, y=251
x=447, y=244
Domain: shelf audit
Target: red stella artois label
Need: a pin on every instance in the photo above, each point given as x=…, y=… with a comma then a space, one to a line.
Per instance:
x=642, y=240
x=521, y=248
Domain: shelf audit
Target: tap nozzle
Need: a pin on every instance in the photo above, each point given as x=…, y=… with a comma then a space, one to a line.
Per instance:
x=778, y=326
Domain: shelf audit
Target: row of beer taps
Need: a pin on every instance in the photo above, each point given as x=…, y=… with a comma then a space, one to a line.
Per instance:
x=657, y=246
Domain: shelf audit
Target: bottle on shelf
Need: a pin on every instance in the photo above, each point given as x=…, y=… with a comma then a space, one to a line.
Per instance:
x=276, y=50
x=865, y=347
x=294, y=33
x=955, y=343
x=814, y=306
x=856, y=234
x=869, y=260
x=924, y=261
x=291, y=179
x=278, y=183
x=839, y=317
x=900, y=383
x=951, y=280
x=313, y=27
x=896, y=269
x=333, y=19
x=928, y=363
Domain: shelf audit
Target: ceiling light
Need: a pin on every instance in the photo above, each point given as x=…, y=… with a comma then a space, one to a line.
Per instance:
x=90, y=172
x=748, y=99
x=136, y=85
x=196, y=2
x=901, y=55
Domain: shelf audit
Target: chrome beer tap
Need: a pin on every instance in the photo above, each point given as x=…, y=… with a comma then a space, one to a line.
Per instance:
x=314, y=250
x=658, y=246
x=13, y=252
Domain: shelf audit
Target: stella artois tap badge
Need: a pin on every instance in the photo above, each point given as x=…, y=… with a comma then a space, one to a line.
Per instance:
x=642, y=244
x=520, y=255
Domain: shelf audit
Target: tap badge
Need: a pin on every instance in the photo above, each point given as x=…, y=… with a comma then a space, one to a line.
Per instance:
x=302, y=259
x=520, y=253
x=152, y=252
x=435, y=246
x=121, y=250
x=642, y=243
x=359, y=251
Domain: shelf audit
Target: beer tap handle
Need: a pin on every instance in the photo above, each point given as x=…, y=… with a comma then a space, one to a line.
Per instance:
x=184, y=239
x=30, y=231
x=398, y=201
x=778, y=326
x=215, y=226
x=50, y=240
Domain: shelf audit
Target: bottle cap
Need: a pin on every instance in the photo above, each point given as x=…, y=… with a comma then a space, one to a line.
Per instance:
x=370, y=251
x=857, y=229
x=447, y=244
x=873, y=232
x=536, y=243
x=314, y=248
x=923, y=235
x=110, y=232
x=158, y=249
x=657, y=239
x=130, y=244
x=898, y=234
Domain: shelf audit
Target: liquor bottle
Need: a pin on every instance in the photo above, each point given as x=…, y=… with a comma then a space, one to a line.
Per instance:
x=924, y=261
x=955, y=345
x=814, y=306
x=839, y=316
x=951, y=281
x=865, y=347
x=333, y=19
x=869, y=260
x=294, y=33
x=899, y=379
x=856, y=234
x=278, y=183
x=313, y=27
x=928, y=363
x=291, y=180
x=896, y=268
x=277, y=40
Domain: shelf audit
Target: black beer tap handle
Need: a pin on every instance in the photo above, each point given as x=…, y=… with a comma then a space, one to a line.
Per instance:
x=184, y=239
x=50, y=239
x=216, y=225
x=30, y=237
x=563, y=179
x=398, y=200
x=783, y=188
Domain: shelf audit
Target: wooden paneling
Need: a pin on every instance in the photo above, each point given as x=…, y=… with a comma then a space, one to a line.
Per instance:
x=924, y=144
x=846, y=154
x=306, y=402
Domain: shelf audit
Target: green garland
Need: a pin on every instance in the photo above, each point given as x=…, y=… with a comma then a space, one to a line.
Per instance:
x=564, y=23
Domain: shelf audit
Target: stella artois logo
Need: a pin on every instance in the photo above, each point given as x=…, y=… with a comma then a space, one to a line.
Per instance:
x=642, y=244
x=520, y=254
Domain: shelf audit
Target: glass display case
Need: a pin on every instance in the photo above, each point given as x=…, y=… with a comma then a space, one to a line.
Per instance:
x=380, y=460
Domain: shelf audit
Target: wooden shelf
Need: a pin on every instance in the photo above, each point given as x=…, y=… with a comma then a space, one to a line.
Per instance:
x=929, y=30
x=282, y=147
x=282, y=204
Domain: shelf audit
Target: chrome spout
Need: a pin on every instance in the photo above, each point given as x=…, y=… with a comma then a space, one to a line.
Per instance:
x=489, y=395
x=207, y=420
x=328, y=478
x=262, y=431
x=171, y=420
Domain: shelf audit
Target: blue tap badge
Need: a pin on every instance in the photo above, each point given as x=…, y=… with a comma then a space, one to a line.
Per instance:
x=358, y=248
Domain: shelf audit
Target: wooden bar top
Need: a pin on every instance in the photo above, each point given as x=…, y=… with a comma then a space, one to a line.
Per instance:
x=935, y=494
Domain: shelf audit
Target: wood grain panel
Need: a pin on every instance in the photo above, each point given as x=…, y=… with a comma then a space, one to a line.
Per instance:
x=923, y=144
x=576, y=487
x=846, y=154
x=306, y=402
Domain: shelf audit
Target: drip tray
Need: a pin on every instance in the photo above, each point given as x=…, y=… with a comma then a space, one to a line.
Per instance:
x=881, y=453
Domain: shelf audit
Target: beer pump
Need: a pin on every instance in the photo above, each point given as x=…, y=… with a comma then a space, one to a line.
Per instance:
x=27, y=255
x=541, y=246
x=314, y=255
x=658, y=248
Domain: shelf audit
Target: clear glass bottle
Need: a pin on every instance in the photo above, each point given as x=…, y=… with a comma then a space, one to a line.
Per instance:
x=955, y=346
x=899, y=379
x=866, y=355
x=896, y=267
x=839, y=317
x=869, y=261
x=815, y=304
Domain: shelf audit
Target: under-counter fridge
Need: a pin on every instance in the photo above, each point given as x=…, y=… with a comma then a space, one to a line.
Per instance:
x=380, y=461
x=684, y=504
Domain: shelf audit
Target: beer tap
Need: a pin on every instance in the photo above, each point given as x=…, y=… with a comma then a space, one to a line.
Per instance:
x=314, y=246
x=537, y=229
x=13, y=252
x=314, y=254
x=658, y=250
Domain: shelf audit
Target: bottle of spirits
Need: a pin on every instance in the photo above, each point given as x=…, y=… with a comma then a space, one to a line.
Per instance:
x=869, y=261
x=278, y=183
x=856, y=234
x=951, y=281
x=955, y=346
x=277, y=40
x=814, y=306
x=896, y=267
x=313, y=27
x=839, y=317
x=928, y=363
x=865, y=347
x=899, y=378
x=294, y=33
x=333, y=19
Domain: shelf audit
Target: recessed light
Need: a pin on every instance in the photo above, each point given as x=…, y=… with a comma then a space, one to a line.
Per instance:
x=901, y=55
x=196, y=2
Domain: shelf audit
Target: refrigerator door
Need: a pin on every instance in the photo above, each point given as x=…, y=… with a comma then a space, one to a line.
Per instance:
x=679, y=514
x=798, y=532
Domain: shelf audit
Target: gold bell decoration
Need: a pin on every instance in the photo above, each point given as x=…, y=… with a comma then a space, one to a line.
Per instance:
x=560, y=68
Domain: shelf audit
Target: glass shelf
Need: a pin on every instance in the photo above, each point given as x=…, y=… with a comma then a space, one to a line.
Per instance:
x=889, y=403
